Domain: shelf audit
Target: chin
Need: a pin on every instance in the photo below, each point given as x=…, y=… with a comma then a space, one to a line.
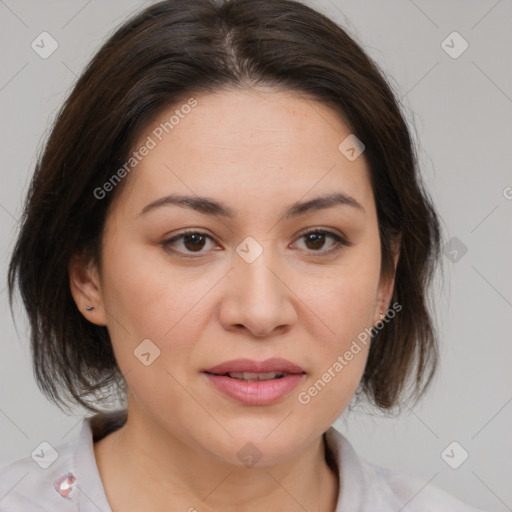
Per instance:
x=258, y=443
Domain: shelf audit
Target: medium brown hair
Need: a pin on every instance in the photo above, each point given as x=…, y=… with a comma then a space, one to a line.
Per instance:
x=177, y=48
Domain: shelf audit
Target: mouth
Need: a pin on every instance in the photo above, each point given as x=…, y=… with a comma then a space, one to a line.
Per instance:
x=253, y=382
x=251, y=376
x=249, y=369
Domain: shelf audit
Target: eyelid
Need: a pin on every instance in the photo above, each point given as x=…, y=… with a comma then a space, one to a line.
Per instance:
x=189, y=231
x=341, y=241
x=328, y=231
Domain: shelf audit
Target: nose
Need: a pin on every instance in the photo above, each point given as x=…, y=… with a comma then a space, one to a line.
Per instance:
x=257, y=296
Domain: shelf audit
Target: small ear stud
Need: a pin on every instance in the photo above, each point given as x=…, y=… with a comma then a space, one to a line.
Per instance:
x=89, y=308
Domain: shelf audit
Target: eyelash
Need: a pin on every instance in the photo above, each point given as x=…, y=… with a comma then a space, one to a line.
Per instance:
x=339, y=245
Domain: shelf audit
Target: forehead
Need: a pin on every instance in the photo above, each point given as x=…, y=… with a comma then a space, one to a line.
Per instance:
x=259, y=143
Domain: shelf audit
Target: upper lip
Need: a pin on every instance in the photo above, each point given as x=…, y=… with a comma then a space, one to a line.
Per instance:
x=275, y=364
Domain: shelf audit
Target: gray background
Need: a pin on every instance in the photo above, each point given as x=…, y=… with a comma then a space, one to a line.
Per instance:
x=462, y=110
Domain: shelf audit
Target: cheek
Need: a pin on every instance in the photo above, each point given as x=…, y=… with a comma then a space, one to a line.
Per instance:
x=145, y=289
x=344, y=303
x=346, y=313
x=340, y=353
x=345, y=299
x=149, y=297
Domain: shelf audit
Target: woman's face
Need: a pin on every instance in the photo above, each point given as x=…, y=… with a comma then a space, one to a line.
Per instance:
x=250, y=283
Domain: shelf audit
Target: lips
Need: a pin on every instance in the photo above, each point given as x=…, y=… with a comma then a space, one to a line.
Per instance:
x=256, y=382
x=252, y=376
x=236, y=367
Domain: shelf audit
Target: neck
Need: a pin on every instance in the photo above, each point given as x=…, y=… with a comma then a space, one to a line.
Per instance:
x=173, y=473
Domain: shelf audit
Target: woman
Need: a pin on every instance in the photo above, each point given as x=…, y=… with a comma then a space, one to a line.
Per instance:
x=227, y=227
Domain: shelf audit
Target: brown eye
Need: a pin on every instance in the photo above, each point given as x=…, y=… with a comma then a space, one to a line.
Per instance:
x=316, y=240
x=194, y=242
x=191, y=242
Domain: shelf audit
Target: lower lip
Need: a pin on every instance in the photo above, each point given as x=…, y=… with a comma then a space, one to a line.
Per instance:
x=260, y=392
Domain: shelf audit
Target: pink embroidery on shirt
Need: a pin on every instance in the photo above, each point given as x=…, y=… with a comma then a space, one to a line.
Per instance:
x=63, y=485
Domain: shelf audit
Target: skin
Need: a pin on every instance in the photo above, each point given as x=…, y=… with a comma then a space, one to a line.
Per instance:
x=256, y=150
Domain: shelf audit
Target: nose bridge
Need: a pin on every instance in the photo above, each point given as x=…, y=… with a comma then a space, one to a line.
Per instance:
x=257, y=297
x=255, y=259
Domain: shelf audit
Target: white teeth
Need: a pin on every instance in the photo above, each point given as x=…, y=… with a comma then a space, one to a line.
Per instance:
x=249, y=376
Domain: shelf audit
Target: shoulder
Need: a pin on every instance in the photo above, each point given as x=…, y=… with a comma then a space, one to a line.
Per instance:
x=415, y=494
x=366, y=486
x=40, y=482
x=61, y=478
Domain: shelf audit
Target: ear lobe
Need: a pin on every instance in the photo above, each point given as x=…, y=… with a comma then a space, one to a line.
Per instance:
x=386, y=286
x=85, y=288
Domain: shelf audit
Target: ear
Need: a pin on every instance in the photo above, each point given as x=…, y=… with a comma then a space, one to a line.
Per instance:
x=86, y=289
x=386, y=286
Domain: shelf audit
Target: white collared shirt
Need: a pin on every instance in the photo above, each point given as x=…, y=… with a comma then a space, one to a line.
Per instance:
x=69, y=480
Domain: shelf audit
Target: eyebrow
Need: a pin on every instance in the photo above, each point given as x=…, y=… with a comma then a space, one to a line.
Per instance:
x=210, y=206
